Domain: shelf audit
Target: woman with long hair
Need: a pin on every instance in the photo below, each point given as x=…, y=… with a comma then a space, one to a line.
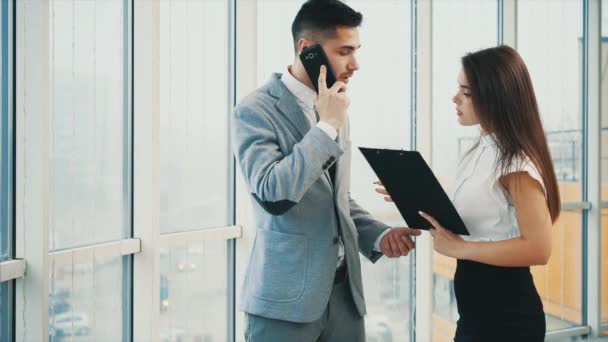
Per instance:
x=506, y=192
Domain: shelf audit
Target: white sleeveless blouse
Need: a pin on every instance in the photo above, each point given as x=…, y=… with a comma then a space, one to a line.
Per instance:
x=484, y=205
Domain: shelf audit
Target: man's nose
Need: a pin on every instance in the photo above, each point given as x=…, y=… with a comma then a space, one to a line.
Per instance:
x=354, y=64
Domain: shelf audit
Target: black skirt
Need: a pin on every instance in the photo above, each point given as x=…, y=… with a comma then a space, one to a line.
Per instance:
x=497, y=304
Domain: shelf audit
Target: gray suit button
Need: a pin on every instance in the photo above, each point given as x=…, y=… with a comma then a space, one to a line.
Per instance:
x=335, y=240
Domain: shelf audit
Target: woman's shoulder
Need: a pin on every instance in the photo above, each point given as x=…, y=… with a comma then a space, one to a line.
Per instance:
x=523, y=164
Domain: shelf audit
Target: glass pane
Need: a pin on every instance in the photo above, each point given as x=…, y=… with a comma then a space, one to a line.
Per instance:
x=88, y=140
x=5, y=308
x=6, y=156
x=458, y=27
x=387, y=285
x=5, y=138
x=85, y=302
x=559, y=283
x=560, y=54
x=194, y=98
x=374, y=124
x=604, y=266
x=193, y=292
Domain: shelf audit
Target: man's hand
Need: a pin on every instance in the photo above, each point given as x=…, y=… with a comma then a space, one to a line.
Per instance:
x=398, y=242
x=332, y=103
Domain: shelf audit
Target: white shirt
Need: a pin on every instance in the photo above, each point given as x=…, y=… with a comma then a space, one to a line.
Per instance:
x=484, y=205
x=305, y=98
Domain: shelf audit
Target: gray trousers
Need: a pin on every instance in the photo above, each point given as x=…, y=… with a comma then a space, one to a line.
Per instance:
x=340, y=322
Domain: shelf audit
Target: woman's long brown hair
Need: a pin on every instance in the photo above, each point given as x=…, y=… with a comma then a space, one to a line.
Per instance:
x=505, y=104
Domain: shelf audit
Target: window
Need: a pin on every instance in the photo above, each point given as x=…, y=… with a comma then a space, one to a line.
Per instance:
x=89, y=166
x=195, y=169
x=85, y=301
x=264, y=47
x=88, y=154
x=194, y=98
x=380, y=114
x=458, y=28
x=559, y=283
x=6, y=166
x=193, y=292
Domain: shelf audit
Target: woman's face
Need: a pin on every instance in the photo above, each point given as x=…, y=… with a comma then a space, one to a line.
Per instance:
x=463, y=101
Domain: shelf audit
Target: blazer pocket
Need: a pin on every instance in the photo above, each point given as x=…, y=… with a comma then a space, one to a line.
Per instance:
x=279, y=266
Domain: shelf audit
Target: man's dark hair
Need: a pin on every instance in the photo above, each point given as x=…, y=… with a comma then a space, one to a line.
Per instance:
x=318, y=19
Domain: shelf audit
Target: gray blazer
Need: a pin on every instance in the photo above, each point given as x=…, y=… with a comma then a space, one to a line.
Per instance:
x=298, y=211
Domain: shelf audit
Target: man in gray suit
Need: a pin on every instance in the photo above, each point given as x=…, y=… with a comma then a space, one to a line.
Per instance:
x=303, y=281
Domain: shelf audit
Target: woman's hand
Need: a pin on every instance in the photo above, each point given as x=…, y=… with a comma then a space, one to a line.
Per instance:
x=383, y=191
x=444, y=241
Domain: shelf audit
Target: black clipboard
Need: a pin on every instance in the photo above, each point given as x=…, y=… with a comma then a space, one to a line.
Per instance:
x=413, y=187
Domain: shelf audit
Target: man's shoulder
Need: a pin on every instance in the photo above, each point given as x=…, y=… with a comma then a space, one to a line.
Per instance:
x=261, y=99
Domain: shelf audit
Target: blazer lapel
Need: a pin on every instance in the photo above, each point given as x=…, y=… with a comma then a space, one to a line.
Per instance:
x=289, y=108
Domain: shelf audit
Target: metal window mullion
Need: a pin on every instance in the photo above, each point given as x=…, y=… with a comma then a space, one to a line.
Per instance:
x=32, y=164
x=146, y=168
x=413, y=267
x=12, y=269
x=592, y=218
x=508, y=19
x=422, y=135
x=561, y=334
x=127, y=263
x=231, y=183
x=499, y=23
x=575, y=206
x=171, y=240
x=121, y=247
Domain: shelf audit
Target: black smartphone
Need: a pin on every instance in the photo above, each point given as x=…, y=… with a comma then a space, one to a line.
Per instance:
x=312, y=58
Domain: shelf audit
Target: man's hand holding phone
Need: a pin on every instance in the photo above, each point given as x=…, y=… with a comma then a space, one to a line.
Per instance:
x=331, y=103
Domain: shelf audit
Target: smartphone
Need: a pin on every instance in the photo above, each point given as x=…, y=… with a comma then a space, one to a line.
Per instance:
x=312, y=58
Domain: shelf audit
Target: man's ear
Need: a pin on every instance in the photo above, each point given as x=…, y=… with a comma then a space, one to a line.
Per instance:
x=303, y=43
